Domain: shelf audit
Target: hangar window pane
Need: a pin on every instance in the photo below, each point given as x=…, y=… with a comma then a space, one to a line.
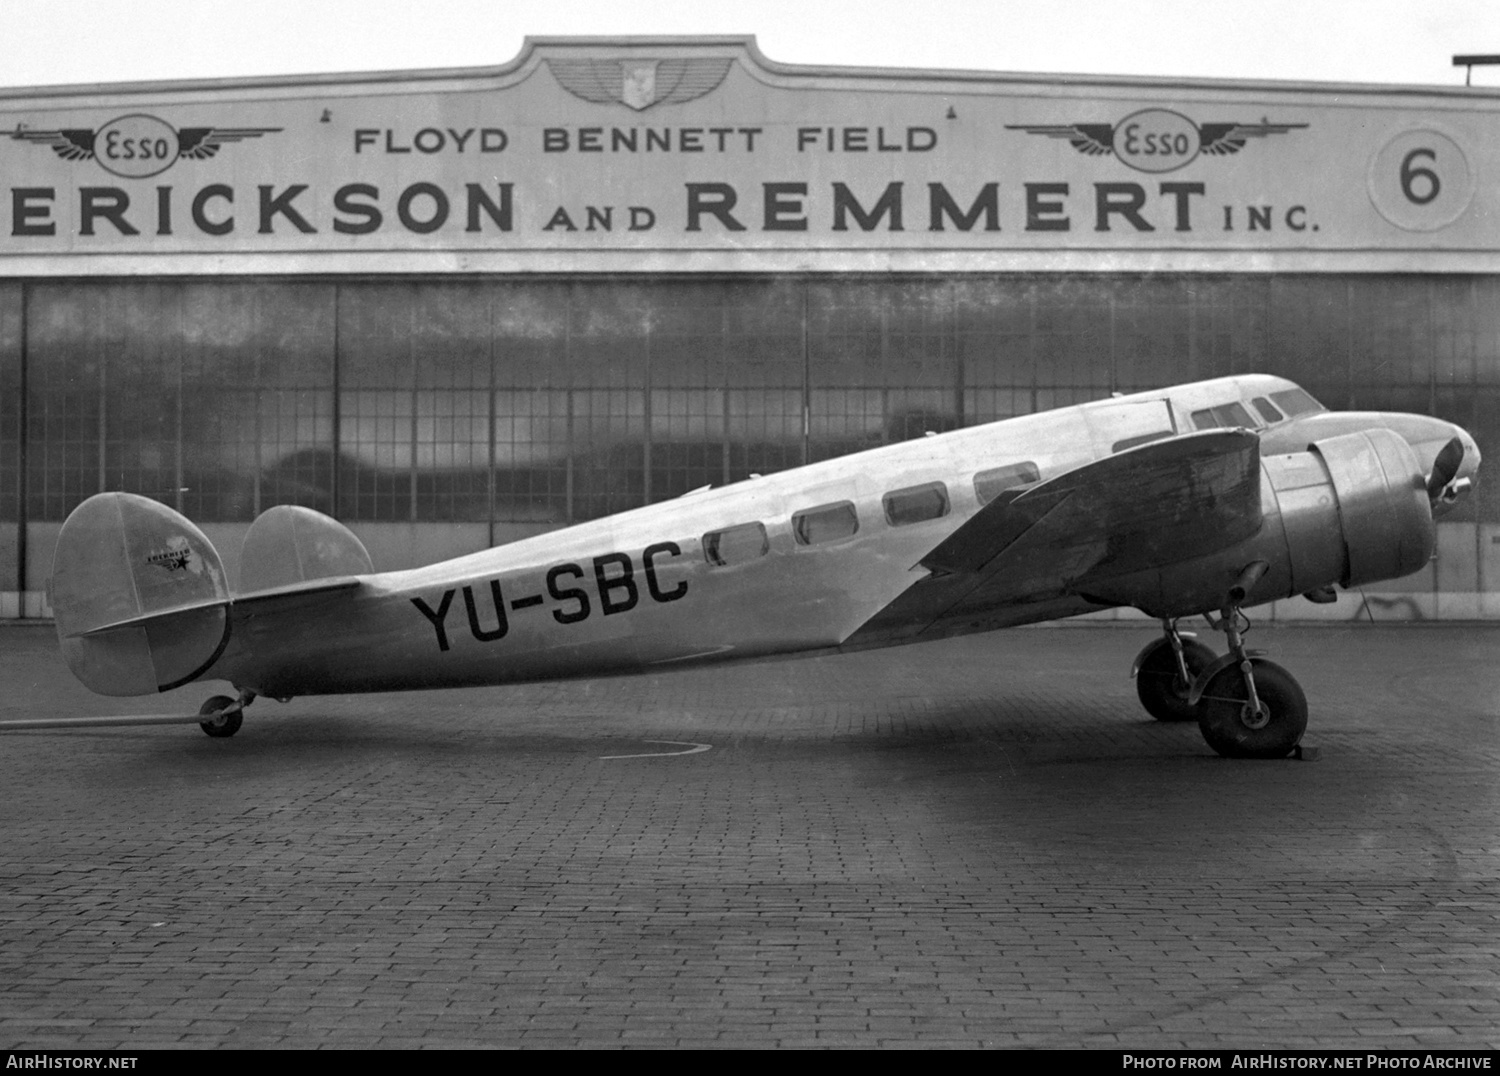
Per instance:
x=686, y=377
x=992, y=343
x=536, y=403
x=827, y=523
x=90, y=361
x=916, y=504
x=736, y=545
x=200, y=395
x=763, y=370
x=294, y=450
x=765, y=431
x=532, y=464
x=257, y=402
x=1073, y=339
x=1150, y=331
x=414, y=370
x=10, y=424
x=1389, y=333
x=879, y=367
x=990, y=484
x=610, y=451
x=687, y=439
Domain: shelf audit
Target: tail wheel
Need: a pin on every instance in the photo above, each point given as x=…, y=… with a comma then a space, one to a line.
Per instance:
x=1160, y=686
x=223, y=721
x=1235, y=729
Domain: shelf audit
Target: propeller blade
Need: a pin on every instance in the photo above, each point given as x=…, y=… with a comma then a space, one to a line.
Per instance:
x=1444, y=468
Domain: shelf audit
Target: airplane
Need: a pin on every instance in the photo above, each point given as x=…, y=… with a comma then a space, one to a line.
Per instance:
x=1200, y=499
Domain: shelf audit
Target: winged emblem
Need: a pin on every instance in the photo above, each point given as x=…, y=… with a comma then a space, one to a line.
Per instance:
x=1157, y=139
x=1090, y=139
x=201, y=143
x=71, y=144
x=1224, y=138
x=137, y=145
x=639, y=84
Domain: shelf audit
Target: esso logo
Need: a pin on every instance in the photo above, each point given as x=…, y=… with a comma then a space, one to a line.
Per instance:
x=136, y=146
x=1156, y=140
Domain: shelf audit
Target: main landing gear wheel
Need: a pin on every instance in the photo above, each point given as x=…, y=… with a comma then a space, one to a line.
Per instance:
x=1160, y=685
x=224, y=721
x=1236, y=728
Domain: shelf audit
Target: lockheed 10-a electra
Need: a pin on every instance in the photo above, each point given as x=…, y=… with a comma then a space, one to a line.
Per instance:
x=1206, y=498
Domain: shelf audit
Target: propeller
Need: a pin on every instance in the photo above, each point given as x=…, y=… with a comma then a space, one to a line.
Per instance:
x=1444, y=468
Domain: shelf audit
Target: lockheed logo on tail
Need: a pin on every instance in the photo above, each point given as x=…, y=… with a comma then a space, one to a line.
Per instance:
x=1157, y=139
x=137, y=145
x=171, y=559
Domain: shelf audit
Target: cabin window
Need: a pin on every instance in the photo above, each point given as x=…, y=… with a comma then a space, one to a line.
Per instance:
x=1267, y=410
x=990, y=484
x=826, y=523
x=736, y=545
x=1231, y=415
x=916, y=504
x=1296, y=402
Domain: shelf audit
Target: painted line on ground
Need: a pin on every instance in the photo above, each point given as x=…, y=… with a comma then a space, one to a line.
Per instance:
x=693, y=749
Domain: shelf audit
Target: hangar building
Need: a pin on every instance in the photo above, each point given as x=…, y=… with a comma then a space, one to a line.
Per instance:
x=453, y=308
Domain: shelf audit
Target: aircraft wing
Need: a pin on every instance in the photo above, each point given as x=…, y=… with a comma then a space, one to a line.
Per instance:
x=1158, y=504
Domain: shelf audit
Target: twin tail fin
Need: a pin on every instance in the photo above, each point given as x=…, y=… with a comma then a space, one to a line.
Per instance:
x=140, y=596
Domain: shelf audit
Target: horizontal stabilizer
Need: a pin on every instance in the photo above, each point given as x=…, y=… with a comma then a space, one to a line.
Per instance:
x=144, y=619
x=259, y=603
x=293, y=596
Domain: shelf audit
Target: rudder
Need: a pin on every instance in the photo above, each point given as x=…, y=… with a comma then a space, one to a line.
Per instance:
x=139, y=596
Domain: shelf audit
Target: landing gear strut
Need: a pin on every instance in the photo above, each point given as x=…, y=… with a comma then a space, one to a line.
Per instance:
x=223, y=715
x=1248, y=707
x=1245, y=706
x=1165, y=672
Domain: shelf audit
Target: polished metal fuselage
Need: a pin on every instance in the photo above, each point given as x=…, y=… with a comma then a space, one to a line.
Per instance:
x=635, y=592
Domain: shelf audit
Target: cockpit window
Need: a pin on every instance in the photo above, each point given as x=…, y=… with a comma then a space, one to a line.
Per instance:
x=1230, y=414
x=1296, y=402
x=1267, y=410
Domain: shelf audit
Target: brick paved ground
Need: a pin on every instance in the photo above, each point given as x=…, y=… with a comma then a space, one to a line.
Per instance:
x=981, y=842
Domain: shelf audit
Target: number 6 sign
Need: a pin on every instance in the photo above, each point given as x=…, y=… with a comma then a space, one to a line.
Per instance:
x=1420, y=181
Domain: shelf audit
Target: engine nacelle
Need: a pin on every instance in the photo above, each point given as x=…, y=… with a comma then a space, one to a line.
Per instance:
x=1352, y=509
